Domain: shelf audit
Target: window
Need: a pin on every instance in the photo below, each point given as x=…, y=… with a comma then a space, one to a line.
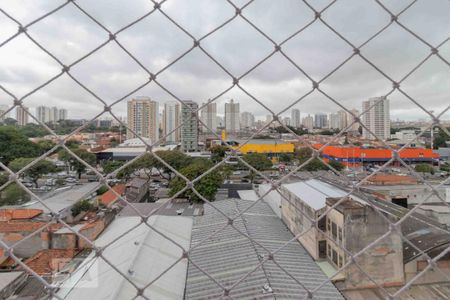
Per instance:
x=334, y=230
x=328, y=225
x=340, y=235
x=341, y=261
x=335, y=257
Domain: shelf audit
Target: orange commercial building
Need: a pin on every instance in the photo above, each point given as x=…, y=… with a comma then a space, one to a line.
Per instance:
x=358, y=156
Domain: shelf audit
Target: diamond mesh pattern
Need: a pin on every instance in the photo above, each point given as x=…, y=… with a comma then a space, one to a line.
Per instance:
x=113, y=37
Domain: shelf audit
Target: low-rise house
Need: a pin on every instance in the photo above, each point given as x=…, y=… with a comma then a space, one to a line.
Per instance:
x=109, y=198
x=137, y=189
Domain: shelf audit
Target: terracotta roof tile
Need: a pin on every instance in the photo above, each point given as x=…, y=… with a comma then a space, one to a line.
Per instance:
x=50, y=260
x=25, y=226
x=109, y=197
x=18, y=213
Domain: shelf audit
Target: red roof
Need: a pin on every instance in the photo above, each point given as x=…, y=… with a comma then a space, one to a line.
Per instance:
x=18, y=213
x=25, y=226
x=109, y=197
x=50, y=260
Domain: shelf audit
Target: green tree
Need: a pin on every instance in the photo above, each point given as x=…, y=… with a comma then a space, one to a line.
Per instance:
x=303, y=154
x=337, y=165
x=33, y=130
x=207, y=186
x=10, y=122
x=13, y=194
x=441, y=138
x=424, y=168
x=14, y=145
x=258, y=161
x=111, y=165
x=45, y=145
x=76, y=165
x=82, y=206
x=285, y=157
x=315, y=165
x=36, y=171
x=218, y=153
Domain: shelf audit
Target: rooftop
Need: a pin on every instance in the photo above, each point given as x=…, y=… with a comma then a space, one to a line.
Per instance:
x=49, y=261
x=109, y=197
x=64, y=200
x=229, y=255
x=148, y=255
x=163, y=207
x=18, y=214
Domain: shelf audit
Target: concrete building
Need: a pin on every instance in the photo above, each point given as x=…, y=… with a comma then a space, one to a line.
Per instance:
x=3, y=114
x=295, y=118
x=334, y=121
x=43, y=114
x=22, y=115
x=232, y=115
x=342, y=116
x=189, y=129
x=351, y=118
x=208, y=116
x=308, y=122
x=54, y=114
x=287, y=121
x=170, y=122
x=377, y=118
x=247, y=120
x=143, y=118
x=62, y=114
x=320, y=120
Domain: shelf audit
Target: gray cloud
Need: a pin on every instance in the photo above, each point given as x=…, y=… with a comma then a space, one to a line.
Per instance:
x=156, y=42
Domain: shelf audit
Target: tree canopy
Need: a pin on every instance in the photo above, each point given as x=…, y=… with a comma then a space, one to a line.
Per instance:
x=424, y=168
x=78, y=166
x=14, y=144
x=207, y=186
x=36, y=171
x=259, y=161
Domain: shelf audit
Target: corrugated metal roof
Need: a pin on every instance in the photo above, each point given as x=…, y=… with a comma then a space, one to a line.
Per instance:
x=229, y=255
x=141, y=254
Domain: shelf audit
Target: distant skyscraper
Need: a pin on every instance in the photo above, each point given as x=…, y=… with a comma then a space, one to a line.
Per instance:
x=220, y=122
x=189, y=129
x=295, y=118
x=143, y=115
x=377, y=119
x=171, y=120
x=320, y=120
x=232, y=117
x=308, y=122
x=43, y=114
x=334, y=121
x=54, y=114
x=351, y=119
x=3, y=114
x=287, y=121
x=247, y=120
x=21, y=115
x=342, y=119
x=62, y=114
x=208, y=115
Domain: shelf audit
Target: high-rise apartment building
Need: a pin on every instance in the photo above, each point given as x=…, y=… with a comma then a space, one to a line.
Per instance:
x=208, y=116
x=376, y=119
x=3, y=114
x=171, y=121
x=295, y=118
x=54, y=114
x=334, y=121
x=21, y=115
x=247, y=120
x=43, y=114
x=320, y=120
x=62, y=114
x=189, y=129
x=351, y=119
x=232, y=116
x=287, y=121
x=308, y=122
x=342, y=114
x=143, y=118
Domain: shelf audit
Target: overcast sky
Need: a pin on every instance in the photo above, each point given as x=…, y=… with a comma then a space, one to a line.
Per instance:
x=155, y=41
